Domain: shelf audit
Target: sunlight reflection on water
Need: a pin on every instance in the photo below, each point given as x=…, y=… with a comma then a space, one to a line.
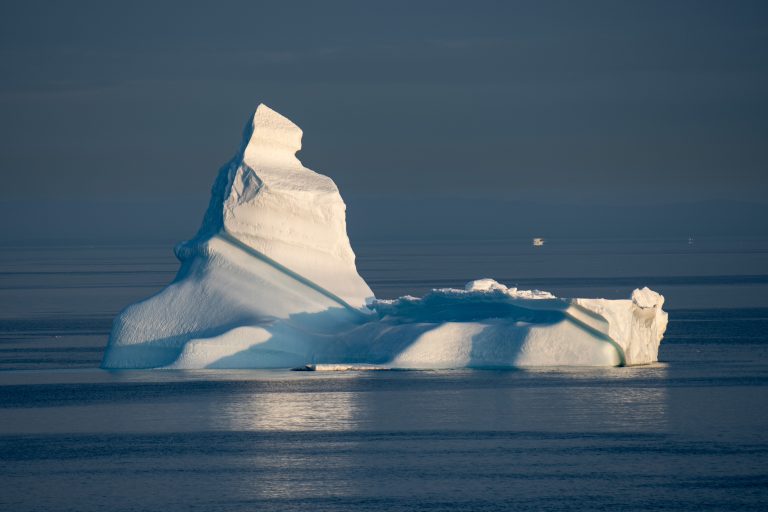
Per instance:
x=290, y=412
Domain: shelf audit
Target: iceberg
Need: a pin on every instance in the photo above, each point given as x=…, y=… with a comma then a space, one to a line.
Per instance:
x=269, y=281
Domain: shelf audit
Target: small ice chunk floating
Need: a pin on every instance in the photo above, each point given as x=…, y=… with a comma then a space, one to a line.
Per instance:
x=269, y=281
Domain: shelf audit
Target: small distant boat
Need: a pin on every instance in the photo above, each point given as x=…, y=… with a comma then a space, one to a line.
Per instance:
x=538, y=242
x=690, y=240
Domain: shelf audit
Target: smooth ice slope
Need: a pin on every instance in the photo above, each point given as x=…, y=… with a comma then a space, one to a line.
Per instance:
x=269, y=281
x=265, y=199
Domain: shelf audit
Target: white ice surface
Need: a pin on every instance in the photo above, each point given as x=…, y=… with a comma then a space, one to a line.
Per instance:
x=265, y=199
x=270, y=281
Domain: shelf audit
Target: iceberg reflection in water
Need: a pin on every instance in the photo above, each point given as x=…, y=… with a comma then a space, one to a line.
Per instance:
x=593, y=438
x=487, y=400
x=289, y=412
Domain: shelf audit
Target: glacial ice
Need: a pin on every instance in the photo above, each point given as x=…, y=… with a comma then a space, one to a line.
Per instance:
x=269, y=281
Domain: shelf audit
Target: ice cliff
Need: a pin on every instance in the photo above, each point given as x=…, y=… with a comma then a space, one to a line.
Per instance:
x=269, y=281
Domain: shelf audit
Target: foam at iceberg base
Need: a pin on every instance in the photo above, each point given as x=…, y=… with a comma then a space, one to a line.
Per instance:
x=270, y=281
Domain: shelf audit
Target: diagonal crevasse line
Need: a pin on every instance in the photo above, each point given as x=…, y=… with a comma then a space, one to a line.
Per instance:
x=223, y=235
x=576, y=313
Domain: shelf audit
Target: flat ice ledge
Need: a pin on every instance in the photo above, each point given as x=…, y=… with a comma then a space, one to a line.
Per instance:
x=545, y=329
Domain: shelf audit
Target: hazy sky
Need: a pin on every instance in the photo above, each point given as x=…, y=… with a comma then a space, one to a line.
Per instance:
x=128, y=109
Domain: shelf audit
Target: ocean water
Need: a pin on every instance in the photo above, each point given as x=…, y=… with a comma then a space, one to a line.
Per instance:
x=688, y=433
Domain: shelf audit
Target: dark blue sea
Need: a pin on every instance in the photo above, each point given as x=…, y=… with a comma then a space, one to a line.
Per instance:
x=687, y=434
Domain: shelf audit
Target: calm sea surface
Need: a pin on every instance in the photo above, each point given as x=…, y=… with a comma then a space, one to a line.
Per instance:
x=689, y=433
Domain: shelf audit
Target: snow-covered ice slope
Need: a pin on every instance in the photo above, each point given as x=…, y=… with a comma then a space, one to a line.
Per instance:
x=265, y=199
x=269, y=281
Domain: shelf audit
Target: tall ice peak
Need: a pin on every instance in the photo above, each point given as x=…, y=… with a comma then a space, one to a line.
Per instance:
x=272, y=137
x=267, y=202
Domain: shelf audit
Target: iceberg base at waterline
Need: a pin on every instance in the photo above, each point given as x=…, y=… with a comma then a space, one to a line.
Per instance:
x=229, y=309
x=270, y=281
